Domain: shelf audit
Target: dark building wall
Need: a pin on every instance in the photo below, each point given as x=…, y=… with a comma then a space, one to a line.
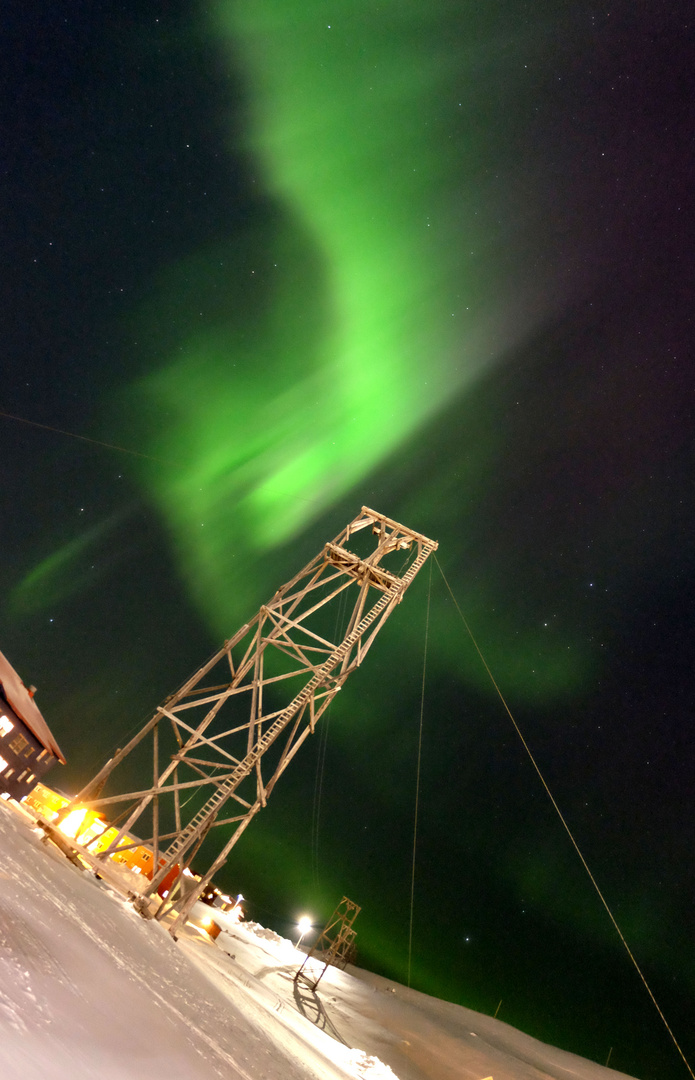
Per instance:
x=23, y=760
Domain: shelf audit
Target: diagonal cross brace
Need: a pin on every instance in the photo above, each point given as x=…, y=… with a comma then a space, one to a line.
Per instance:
x=202, y=821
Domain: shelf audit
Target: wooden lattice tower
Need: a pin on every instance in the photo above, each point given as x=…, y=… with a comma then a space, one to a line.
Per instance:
x=217, y=747
x=335, y=945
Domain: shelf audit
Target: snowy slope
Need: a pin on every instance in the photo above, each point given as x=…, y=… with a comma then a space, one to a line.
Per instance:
x=87, y=988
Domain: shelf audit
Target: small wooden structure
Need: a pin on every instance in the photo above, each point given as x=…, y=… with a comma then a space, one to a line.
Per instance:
x=27, y=747
x=335, y=946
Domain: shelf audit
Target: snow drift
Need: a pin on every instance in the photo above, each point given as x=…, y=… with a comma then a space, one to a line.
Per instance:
x=88, y=989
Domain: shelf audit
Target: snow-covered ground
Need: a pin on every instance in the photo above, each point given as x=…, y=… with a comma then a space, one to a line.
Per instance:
x=89, y=989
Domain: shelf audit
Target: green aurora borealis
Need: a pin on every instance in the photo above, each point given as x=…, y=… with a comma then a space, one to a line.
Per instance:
x=358, y=330
x=424, y=257
x=336, y=334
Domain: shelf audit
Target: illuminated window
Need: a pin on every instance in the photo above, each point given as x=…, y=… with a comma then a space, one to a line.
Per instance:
x=29, y=751
x=31, y=779
x=22, y=775
x=146, y=856
x=42, y=754
x=18, y=744
x=3, y=764
x=6, y=725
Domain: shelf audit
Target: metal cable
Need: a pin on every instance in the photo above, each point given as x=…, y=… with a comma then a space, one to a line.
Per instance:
x=417, y=780
x=566, y=826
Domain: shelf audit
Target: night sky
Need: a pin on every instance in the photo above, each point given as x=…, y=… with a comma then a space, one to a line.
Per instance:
x=436, y=258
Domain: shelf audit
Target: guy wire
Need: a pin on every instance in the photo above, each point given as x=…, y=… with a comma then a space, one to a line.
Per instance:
x=114, y=446
x=83, y=438
x=565, y=825
x=417, y=778
x=321, y=760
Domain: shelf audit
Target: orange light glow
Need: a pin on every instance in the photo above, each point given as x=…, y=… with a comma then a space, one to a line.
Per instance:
x=72, y=824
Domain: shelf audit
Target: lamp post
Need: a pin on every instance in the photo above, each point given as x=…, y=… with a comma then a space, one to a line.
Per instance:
x=304, y=926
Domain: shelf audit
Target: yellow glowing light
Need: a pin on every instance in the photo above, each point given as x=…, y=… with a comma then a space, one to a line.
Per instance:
x=72, y=824
x=304, y=926
x=82, y=824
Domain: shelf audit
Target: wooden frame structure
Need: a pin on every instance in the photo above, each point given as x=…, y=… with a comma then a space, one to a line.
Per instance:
x=335, y=945
x=218, y=746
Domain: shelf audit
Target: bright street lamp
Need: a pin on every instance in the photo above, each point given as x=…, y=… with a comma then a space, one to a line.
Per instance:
x=304, y=926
